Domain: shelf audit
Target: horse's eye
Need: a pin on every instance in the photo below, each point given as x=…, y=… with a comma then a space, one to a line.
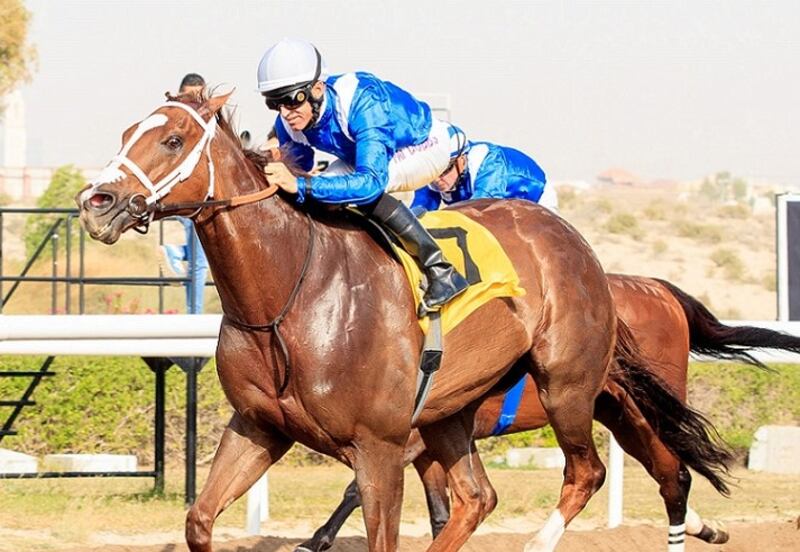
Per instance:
x=174, y=143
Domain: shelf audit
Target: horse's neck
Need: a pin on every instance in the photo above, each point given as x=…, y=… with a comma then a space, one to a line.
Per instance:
x=255, y=251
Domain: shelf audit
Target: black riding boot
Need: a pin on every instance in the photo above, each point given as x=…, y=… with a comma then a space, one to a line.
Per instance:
x=444, y=282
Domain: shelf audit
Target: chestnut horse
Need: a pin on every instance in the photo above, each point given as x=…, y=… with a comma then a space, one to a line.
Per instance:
x=320, y=343
x=667, y=324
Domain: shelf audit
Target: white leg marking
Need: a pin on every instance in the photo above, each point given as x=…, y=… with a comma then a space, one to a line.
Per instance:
x=676, y=541
x=548, y=536
x=693, y=522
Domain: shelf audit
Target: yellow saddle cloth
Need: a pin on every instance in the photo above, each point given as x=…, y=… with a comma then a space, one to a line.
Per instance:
x=476, y=254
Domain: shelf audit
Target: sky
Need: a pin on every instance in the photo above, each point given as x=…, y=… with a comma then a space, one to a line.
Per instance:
x=665, y=89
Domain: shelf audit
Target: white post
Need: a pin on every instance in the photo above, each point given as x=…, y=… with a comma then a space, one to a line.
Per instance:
x=264, y=494
x=257, y=506
x=616, y=464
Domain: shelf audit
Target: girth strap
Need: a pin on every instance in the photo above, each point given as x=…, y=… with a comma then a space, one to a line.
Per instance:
x=429, y=362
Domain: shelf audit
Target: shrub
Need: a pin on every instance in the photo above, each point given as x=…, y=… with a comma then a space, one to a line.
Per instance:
x=706, y=233
x=655, y=211
x=604, y=205
x=624, y=223
x=659, y=247
x=65, y=183
x=730, y=262
x=567, y=198
x=738, y=211
x=769, y=281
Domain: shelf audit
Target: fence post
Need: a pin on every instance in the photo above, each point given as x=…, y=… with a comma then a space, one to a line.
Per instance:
x=616, y=464
x=257, y=505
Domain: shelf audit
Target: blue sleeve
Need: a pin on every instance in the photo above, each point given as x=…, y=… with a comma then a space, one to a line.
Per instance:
x=370, y=126
x=301, y=154
x=427, y=199
x=491, y=180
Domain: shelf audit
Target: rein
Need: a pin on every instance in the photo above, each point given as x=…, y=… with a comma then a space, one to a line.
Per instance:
x=274, y=325
x=227, y=202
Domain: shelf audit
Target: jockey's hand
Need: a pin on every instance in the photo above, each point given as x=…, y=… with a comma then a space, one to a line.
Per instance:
x=279, y=175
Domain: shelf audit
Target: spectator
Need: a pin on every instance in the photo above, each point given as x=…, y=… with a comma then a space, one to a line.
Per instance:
x=189, y=259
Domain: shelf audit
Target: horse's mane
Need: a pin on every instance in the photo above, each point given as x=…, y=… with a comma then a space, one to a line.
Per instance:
x=257, y=159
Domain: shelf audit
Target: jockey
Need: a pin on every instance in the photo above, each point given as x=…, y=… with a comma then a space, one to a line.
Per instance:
x=385, y=140
x=483, y=170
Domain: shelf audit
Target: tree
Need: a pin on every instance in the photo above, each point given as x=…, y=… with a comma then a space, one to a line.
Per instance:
x=16, y=55
x=65, y=183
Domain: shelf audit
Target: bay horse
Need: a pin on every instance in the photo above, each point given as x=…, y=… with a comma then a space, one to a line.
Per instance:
x=668, y=324
x=320, y=342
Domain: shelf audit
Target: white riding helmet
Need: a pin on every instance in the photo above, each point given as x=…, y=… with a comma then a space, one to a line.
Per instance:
x=290, y=62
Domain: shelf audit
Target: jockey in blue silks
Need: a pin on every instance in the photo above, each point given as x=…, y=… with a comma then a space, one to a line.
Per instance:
x=483, y=170
x=385, y=140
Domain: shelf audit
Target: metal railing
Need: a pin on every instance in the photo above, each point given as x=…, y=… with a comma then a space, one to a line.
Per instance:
x=66, y=223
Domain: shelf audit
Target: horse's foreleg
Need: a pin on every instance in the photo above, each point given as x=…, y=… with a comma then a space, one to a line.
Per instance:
x=379, y=474
x=450, y=442
x=244, y=454
x=324, y=536
x=434, y=480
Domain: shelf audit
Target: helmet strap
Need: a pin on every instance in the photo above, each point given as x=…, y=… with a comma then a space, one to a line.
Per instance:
x=316, y=108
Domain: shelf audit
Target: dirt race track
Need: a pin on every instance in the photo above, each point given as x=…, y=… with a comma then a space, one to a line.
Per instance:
x=745, y=537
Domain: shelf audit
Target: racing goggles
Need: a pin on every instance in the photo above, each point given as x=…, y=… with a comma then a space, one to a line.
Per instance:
x=291, y=99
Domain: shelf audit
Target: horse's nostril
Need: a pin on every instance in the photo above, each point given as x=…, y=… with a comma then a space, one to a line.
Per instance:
x=99, y=201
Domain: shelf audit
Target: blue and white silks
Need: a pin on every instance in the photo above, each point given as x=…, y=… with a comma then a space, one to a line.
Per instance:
x=366, y=123
x=492, y=171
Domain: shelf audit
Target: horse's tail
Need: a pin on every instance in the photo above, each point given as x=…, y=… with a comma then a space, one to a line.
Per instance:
x=686, y=432
x=710, y=337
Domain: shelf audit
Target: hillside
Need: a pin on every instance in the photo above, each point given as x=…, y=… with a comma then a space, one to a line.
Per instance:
x=722, y=253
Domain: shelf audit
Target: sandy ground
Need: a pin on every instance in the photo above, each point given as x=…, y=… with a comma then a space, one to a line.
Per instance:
x=745, y=537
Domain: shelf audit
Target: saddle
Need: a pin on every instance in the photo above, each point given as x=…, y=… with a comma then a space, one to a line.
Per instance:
x=478, y=256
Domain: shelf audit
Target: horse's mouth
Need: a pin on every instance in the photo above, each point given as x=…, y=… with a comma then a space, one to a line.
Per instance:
x=104, y=217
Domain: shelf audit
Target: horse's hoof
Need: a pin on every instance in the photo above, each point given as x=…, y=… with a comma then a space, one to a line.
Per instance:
x=311, y=546
x=721, y=536
x=713, y=533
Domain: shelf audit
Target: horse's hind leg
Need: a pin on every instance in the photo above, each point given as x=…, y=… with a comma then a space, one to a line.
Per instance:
x=450, y=442
x=637, y=438
x=244, y=454
x=434, y=481
x=567, y=391
x=617, y=411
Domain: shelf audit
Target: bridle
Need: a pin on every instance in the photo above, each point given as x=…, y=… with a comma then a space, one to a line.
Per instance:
x=143, y=208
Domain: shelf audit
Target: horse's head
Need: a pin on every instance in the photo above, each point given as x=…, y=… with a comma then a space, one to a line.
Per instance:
x=169, y=152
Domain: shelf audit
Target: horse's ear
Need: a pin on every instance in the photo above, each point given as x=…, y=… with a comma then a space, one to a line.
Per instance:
x=212, y=105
